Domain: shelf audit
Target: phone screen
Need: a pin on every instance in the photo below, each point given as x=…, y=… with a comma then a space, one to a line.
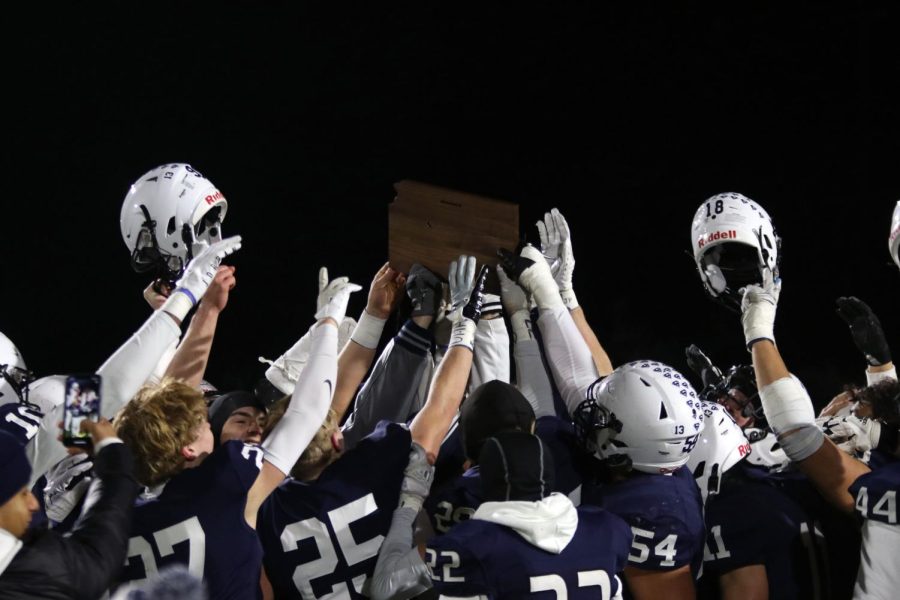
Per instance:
x=82, y=402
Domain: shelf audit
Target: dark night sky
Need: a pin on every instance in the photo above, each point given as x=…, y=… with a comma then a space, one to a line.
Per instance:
x=624, y=118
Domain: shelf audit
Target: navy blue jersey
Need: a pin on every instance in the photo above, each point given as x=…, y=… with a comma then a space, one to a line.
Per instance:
x=322, y=537
x=665, y=513
x=482, y=558
x=456, y=500
x=198, y=520
x=876, y=494
x=752, y=523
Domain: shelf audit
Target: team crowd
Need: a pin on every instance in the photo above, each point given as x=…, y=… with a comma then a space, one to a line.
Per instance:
x=491, y=449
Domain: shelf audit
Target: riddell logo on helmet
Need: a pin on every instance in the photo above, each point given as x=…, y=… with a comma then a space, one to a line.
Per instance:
x=744, y=449
x=715, y=236
x=215, y=197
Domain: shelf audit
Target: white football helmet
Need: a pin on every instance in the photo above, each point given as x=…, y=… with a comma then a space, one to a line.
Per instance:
x=734, y=241
x=166, y=213
x=14, y=375
x=767, y=451
x=721, y=446
x=647, y=411
x=894, y=239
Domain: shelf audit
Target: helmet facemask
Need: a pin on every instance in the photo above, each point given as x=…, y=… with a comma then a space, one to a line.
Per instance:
x=18, y=379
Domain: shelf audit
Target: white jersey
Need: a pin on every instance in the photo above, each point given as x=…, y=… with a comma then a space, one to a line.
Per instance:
x=876, y=501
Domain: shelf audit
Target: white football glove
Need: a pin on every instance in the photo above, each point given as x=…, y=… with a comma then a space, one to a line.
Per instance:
x=66, y=487
x=758, y=309
x=198, y=275
x=537, y=280
x=462, y=280
x=284, y=372
x=334, y=296
x=556, y=246
x=854, y=435
x=467, y=296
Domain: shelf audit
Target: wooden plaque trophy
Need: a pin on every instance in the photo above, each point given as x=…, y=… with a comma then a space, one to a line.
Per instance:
x=433, y=226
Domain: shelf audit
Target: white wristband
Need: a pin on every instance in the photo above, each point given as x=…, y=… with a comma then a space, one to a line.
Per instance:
x=873, y=378
x=368, y=331
x=463, y=334
x=568, y=298
x=178, y=304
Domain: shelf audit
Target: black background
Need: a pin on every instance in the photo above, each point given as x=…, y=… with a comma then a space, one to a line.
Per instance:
x=624, y=117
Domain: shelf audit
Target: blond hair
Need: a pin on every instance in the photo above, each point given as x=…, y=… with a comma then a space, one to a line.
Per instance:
x=320, y=451
x=159, y=421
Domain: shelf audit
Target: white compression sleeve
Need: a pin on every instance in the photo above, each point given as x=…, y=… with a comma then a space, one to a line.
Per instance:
x=490, y=359
x=131, y=365
x=309, y=404
x=568, y=354
x=532, y=378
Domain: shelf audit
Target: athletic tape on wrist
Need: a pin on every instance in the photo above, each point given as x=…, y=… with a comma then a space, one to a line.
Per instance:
x=368, y=331
x=179, y=304
x=569, y=299
x=463, y=334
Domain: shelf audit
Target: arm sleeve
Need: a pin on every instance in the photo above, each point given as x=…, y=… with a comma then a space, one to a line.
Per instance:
x=532, y=378
x=400, y=572
x=309, y=402
x=132, y=364
x=96, y=549
x=490, y=359
x=392, y=391
x=568, y=354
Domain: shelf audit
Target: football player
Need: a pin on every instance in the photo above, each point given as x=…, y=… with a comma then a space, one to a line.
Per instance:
x=522, y=540
x=321, y=530
x=760, y=543
x=642, y=422
x=844, y=481
x=201, y=506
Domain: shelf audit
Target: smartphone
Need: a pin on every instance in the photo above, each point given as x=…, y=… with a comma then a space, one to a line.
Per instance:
x=82, y=402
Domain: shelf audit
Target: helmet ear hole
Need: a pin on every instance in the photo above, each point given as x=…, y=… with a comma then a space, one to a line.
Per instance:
x=170, y=228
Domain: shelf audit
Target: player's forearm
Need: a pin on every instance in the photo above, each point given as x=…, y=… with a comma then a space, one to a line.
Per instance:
x=601, y=359
x=400, y=572
x=353, y=364
x=190, y=359
x=309, y=403
x=432, y=423
x=532, y=378
x=131, y=364
x=767, y=363
x=568, y=354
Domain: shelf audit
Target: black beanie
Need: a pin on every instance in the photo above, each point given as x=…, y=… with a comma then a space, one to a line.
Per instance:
x=515, y=465
x=224, y=405
x=493, y=406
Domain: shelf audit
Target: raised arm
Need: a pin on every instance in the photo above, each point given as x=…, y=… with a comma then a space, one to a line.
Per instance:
x=129, y=367
x=532, y=378
x=556, y=246
x=308, y=406
x=568, y=354
x=869, y=338
x=787, y=405
x=356, y=358
x=392, y=391
x=431, y=425
x=192, y=356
